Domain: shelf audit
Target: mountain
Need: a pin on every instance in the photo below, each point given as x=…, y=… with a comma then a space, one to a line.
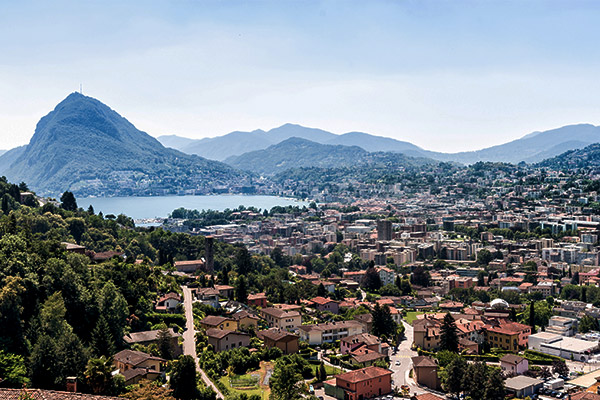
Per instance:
x=174, y=141
x=239, y=142
x=298, y=153
x=588, y=158
x=2, y=152
x=86, y=147
x=531, y=148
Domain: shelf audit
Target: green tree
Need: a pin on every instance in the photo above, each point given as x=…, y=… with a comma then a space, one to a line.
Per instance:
x=183, y=379
x=68, y=202
x=474, y=380
x=241, y=290
x=58, y=352
x=453, y=375
x=13, y=371
x=494, y=385
x=587, y=324
x=383, y=323
x=322, y=372
x=484, y=257
x=102, y=340
x=164, y=341
x=98, y=374
x=371, y=281
x=449, y=334
x=243, y=260
x=321, y=291
x=285, y=383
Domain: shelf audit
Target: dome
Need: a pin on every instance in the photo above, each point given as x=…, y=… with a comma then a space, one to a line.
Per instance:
x=499, y=303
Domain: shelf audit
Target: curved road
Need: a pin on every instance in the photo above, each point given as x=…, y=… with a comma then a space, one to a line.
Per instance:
x=189, y=339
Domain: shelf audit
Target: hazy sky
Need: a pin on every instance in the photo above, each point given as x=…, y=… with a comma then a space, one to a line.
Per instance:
x=445, y=75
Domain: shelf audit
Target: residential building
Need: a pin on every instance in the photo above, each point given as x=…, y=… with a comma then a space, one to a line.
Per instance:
x=257, y=300
x=329, y=332
x=425, y=372
x=513, y=364
x=282, y=319
x=361, y=384
x=223, y=340
x=218, y=322
x=280, y=338
x=137, y=365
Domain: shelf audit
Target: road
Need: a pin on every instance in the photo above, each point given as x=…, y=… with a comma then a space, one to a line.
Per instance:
x=189, y=339
x=404, y=354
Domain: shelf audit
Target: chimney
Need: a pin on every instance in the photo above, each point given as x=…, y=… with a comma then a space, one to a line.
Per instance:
x=71, y=384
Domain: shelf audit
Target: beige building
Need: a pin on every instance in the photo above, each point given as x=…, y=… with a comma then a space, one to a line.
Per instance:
x=329, y=332
x=282, y=319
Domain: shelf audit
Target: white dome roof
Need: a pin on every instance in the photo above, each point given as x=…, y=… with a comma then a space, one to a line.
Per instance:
x=499, y=303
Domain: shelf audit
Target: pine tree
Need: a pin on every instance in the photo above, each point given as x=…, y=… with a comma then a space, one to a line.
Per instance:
x=532, y=316
x=322, y=372
x=164, y=342
x=68, y=201
x=241, y=290
x=449, y=335
x=103, y=343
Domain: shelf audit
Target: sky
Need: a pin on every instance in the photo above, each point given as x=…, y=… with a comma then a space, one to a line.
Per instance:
x=445, y=75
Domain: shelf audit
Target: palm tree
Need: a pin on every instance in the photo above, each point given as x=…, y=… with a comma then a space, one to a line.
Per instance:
x=98, y=374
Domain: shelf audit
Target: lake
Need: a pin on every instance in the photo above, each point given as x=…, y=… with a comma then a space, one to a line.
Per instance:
x=140, y=208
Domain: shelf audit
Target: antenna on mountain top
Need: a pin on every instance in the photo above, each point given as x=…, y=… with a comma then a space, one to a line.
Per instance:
x=80, y=88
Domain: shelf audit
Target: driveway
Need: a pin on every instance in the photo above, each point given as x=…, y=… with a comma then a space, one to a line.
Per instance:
x=189, y=339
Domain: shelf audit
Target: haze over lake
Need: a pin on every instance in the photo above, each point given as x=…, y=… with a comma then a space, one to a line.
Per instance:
x=160, y=206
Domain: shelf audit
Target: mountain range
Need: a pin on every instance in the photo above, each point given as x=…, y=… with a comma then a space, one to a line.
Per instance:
x=87, y=148
x=531, y=148
x=300, y=153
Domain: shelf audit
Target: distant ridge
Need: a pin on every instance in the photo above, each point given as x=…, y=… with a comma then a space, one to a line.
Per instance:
x=86, y=147
x=531, y=148
x=299, y=153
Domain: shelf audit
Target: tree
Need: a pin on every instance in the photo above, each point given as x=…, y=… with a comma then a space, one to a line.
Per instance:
x=371, y=281
x=383, y=323
x=164, y=342
x=560, y=367
x=284, y=383
x=532, y=316
x=587, y=324
x=68, y=202
x=484, y=257
x=13, y=370
x=241, y=290
x=494, y=385
x=453, y=375
x=449, y=334
x=321, y=291
x=243, y=261
x=103, y=343
x=474, y=380
x=545, y=373
x=183, y=379
x=98, y=374
x=420, y=277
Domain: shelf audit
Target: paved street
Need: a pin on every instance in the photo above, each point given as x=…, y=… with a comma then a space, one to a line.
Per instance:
x=189, y=339
x=404, y=354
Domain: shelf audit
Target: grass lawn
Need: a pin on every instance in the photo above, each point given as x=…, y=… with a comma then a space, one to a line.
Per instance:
x=257, y=390
x=411, y=316
x=328, y=368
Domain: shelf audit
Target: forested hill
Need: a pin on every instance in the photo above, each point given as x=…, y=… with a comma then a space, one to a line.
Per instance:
x=87, y=148
x=586, y=158
x=65, y=314
x=299, y=153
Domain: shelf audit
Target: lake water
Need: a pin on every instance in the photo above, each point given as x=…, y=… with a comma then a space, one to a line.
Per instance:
x=161, y=206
